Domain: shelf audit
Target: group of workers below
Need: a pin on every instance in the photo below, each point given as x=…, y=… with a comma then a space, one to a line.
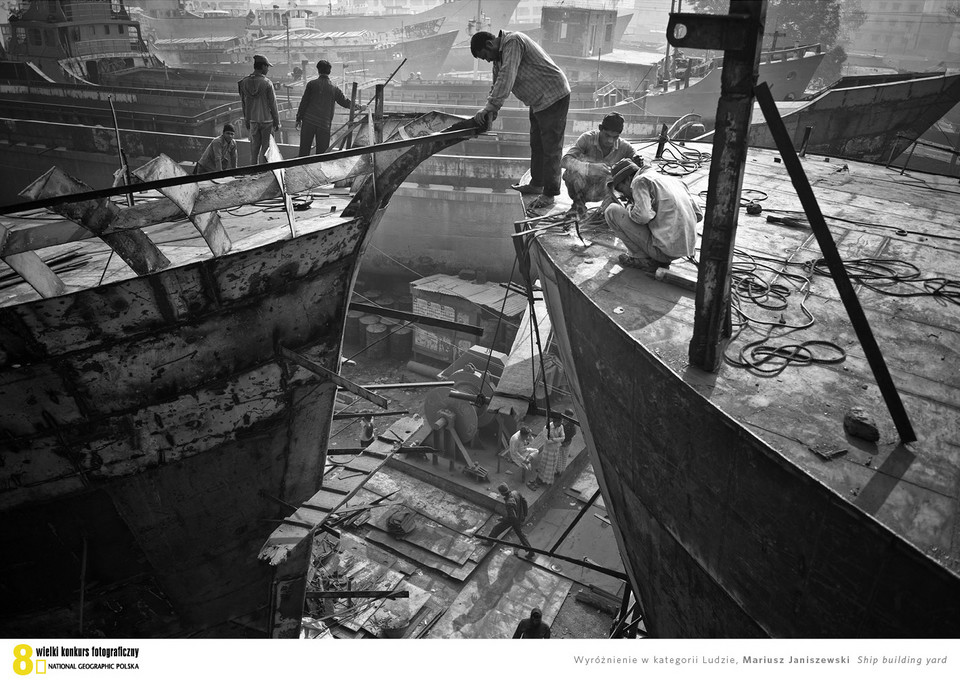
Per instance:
x=654, y=215
x=545, y=463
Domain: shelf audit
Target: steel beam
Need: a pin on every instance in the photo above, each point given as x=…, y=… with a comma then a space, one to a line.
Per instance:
x=835, y=263
x=741, y=63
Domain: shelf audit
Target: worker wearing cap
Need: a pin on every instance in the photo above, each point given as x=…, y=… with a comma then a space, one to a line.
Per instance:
x=259, y=102
x=512, y=520
x=316, y=110
x=659, y=222
x=220, y=154
x=587, y=163
x=522, y=67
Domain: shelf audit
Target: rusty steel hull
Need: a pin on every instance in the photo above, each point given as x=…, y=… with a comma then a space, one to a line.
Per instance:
x=152, y=436
x=871, y=123
x=155, y=406
x=722, y=535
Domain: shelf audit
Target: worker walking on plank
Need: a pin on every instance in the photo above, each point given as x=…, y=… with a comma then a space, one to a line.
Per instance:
x=516, y=515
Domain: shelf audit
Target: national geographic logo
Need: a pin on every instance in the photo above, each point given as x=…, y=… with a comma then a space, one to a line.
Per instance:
x=58, y=657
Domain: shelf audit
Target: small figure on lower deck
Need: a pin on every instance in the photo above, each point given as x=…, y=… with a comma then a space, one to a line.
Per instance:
x=532, y=628
x=367, y=433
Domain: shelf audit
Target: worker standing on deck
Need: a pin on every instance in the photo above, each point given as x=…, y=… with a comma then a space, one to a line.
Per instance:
x=658, y=224
x=532, y=628
x=569, y=431
x=551, y=453
x=367, y=432
x=513, y=520
x=522, y=67
x=220, y=154
x=315, y=113
x=259, y=102
x=587, y=163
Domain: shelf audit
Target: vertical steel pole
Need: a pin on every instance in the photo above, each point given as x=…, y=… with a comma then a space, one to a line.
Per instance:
x=712, y=327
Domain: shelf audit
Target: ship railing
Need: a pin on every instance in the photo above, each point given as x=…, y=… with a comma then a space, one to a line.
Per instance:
x=83, y=48
x=278, y=178
x=93, y=10
x=783, y=54
x=786, y=53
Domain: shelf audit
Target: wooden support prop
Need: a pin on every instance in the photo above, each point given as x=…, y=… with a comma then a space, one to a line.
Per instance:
x=739, y=34
x=378, y=113
x=184, y=197
x=338, y=380
x=410, y=385
x=348, y=138
x=360, y=414
x=34, y=270
x=133, y=246
x=273, y=155
x=357, y=594
x=416, y=318
x=588, y=564
x=835, y=262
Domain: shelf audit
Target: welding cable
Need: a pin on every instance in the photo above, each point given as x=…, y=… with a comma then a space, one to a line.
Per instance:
x=748, y=287
x=879, y=275
x=863, y=223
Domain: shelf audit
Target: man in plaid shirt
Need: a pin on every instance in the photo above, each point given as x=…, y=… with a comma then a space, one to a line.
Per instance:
x=522, y=67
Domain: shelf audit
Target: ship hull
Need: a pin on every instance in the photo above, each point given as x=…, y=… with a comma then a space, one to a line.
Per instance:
x=873, y=123
x=787, y=80
x=721, y=534
x=153, y=436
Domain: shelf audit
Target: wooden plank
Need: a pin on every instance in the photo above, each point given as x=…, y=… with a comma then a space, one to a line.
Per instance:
x=133, y=246
x=284, y=541
x=184, y=197
x=273, y=155
x=325, y=498
x=334, y=377
x=34, y=271
x=459, y=572
x=363, y=463
x=344, y=481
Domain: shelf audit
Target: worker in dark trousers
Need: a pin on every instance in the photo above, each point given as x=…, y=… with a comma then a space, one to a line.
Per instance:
x=315, y=113
x=522, y=67
x=532, y=628
x=513, y=520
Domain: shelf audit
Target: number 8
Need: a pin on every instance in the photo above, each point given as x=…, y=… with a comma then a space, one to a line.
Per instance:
x=22, y=664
